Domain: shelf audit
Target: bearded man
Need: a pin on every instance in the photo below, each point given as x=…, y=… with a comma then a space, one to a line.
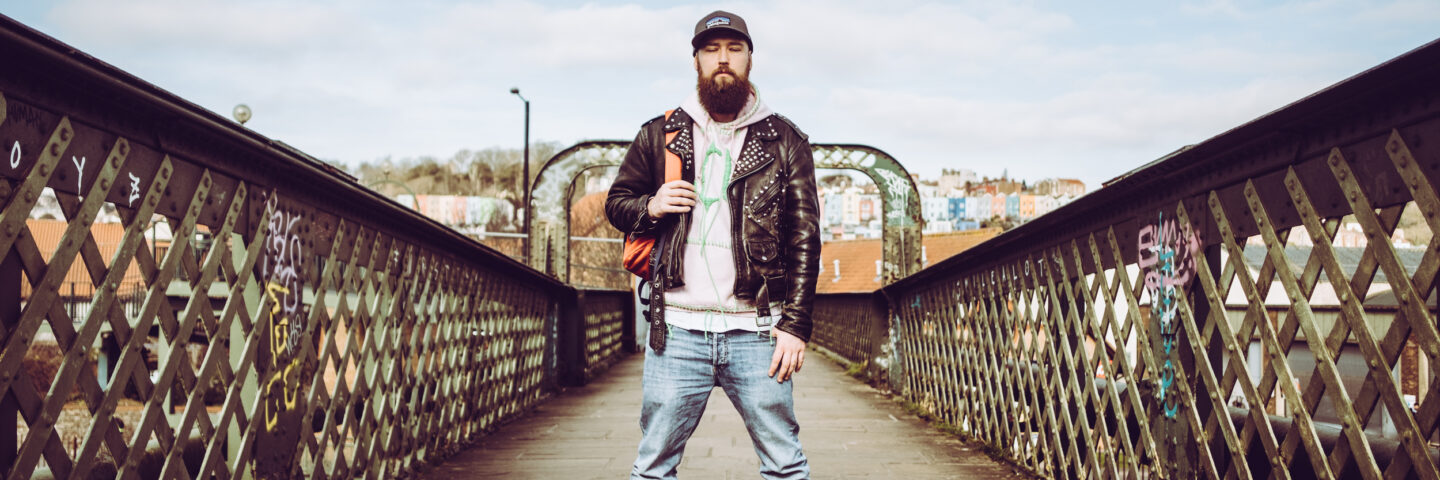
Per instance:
x=735, y=262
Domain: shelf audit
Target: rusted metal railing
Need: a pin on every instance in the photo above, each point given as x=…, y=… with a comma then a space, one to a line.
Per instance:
x=854, y=327
x=1262, y=304
x=289, y=323
x=609, y=321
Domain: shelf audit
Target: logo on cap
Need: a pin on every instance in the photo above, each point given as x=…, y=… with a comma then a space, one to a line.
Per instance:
x=717, y=21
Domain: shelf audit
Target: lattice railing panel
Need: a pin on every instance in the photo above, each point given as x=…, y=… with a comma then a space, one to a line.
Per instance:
x=1259, y=306
x=852, y=326
x=605, y=326
x=248, y=311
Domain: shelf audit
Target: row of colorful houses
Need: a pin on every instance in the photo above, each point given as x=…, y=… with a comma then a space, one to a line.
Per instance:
x=855, y=208
x=458, y=211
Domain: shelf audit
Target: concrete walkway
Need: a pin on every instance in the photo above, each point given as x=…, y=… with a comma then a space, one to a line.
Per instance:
x=849, y=431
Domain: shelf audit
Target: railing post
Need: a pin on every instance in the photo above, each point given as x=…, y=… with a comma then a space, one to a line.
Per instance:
x=570, y=343
x=627, y=325
x=9, y=317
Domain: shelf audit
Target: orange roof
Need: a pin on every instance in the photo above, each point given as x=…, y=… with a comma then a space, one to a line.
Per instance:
x=47, y=234
x=857, y=258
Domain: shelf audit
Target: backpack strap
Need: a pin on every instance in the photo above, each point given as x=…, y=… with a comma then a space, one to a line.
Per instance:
x=672, y=161
x=672, y=173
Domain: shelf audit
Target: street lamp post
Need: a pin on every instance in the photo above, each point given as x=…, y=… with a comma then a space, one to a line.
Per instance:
x=525, y=176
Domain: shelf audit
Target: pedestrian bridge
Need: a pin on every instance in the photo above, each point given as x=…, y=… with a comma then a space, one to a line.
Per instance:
x=1261, y=304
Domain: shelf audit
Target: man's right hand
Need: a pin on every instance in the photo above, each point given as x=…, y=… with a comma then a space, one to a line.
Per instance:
x=673, y=197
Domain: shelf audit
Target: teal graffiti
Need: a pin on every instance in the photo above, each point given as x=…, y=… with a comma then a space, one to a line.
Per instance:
x=1167, y=255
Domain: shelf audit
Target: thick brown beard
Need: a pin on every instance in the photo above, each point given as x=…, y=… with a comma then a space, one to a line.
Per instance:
x=726, y=100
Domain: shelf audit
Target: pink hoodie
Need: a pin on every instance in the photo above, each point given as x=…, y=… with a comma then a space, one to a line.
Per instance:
x=707, y=301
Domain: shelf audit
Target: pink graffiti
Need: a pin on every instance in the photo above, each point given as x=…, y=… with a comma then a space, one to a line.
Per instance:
x=1167, y=254
x=1168, y=250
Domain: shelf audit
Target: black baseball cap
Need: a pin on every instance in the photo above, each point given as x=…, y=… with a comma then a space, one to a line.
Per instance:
x=717, y=21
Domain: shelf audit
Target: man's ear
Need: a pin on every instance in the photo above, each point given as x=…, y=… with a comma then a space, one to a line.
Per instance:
x=696, y=60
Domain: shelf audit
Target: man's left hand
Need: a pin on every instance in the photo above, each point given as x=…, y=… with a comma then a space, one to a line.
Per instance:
x=789, y=355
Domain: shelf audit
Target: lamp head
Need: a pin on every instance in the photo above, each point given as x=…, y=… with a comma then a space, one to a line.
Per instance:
x=241, y=113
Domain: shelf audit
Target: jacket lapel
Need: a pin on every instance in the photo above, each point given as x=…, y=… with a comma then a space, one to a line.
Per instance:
x=754, y=155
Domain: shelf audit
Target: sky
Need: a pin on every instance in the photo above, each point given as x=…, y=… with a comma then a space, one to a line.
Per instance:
x=1032, y=89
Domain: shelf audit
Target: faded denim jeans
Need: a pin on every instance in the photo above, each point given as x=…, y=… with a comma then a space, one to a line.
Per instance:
x=677, y=386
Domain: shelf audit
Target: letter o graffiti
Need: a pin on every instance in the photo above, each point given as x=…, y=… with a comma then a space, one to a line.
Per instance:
x=15, y=155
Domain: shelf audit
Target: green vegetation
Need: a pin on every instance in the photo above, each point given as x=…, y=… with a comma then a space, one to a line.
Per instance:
x=492, y=172
x=859, y=371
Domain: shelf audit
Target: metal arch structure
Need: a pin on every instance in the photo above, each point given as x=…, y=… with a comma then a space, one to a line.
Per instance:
x=900, y=203
x=550, y=206
x=549, y=225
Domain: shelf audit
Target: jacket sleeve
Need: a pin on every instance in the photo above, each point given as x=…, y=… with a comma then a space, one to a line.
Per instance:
x=802, y=241
x=626, y=204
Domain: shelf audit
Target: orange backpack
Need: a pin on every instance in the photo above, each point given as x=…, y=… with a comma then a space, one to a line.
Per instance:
x=639, y=248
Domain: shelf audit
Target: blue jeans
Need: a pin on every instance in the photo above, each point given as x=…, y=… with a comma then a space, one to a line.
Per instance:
x=677, y=385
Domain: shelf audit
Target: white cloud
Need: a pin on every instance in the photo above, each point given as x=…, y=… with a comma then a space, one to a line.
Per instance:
x=1214, y=7
x=269, y=25
x=1040, y=88
x=1423, y=12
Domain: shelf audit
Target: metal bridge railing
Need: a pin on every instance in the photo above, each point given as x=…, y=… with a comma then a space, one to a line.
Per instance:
x=321, y=329
x=1245, y=307
x=853, y=326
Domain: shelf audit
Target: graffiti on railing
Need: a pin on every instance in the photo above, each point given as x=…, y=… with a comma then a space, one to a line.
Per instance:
x=897, y=191
x=134, y=189
x=283, y=261
x=79, y=172
x=282, y=264
x=1167, y=255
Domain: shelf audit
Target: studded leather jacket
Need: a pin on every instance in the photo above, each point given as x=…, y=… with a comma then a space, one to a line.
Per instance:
x=774, y=211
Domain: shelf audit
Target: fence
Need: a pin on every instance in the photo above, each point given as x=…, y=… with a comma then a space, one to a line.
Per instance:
x=324, y=331
x=609, y=328
x=854, y=327
x=1244, y=307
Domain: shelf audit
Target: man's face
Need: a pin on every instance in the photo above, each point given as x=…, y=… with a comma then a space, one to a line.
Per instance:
x=723, y=66
x=724, y=60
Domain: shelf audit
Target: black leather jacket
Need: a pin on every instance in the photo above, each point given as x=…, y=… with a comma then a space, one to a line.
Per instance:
x=774, y=212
